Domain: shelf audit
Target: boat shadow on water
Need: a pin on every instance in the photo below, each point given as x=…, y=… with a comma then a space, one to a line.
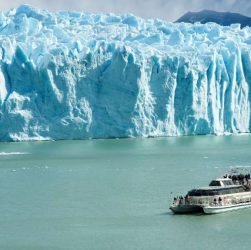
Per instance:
x=170, y=213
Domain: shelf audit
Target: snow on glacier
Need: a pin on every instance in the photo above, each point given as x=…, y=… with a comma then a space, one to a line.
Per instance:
x=72, y=75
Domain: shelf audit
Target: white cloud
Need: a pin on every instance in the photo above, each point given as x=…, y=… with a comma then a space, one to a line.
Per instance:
x=164, y=9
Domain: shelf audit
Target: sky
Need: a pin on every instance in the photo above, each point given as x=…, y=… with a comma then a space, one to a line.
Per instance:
x=169, y=10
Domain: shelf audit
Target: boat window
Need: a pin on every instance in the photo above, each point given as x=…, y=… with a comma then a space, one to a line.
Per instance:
x=211, y=192
x=218, y=191
x=227, y=191
x=214, y=183
x=200, y=192
x=194, y=192
x=227, y=182
x=241, y=189
x=204, y=193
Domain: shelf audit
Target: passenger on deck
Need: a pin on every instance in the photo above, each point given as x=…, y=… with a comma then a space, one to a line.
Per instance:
x=246, y=178
x=180, y=200
x=242, y=179
x=186, y=199
x=220, y=200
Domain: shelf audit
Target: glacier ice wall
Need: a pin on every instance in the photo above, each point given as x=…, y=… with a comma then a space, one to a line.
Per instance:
x=71, y=75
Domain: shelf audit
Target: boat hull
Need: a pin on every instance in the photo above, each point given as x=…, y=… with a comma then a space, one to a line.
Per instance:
x=186, y=209
x=222, y=209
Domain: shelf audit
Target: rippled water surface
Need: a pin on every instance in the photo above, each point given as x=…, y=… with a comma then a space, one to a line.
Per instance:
x=114, y=194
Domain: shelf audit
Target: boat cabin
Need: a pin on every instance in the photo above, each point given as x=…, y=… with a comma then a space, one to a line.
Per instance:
x=221, y=182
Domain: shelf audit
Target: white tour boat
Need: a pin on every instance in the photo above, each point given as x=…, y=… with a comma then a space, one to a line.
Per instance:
x=221, y=195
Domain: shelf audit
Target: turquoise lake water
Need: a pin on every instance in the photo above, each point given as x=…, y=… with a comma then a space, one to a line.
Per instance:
x=115, y=194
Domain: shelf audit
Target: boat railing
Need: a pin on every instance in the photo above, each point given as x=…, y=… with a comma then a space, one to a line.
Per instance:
x=225, y=201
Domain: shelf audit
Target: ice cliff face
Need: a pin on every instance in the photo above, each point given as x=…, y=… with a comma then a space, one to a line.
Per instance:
x=70, y=75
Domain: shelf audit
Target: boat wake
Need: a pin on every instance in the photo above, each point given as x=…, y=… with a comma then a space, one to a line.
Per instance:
x=13, y=153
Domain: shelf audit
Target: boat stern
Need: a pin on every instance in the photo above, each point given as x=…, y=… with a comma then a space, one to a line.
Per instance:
x=185, y=209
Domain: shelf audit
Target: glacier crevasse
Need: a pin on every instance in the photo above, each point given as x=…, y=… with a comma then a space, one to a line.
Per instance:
x=72, y=75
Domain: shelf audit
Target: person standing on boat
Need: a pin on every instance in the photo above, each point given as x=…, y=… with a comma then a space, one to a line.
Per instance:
x=215, y=201
x=220, y=201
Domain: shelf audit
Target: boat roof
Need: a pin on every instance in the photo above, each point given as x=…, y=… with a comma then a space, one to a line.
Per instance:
x=222, y=179
x=218, y=187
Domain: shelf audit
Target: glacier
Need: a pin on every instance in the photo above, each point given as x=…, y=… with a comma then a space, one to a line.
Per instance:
x=79, y=75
